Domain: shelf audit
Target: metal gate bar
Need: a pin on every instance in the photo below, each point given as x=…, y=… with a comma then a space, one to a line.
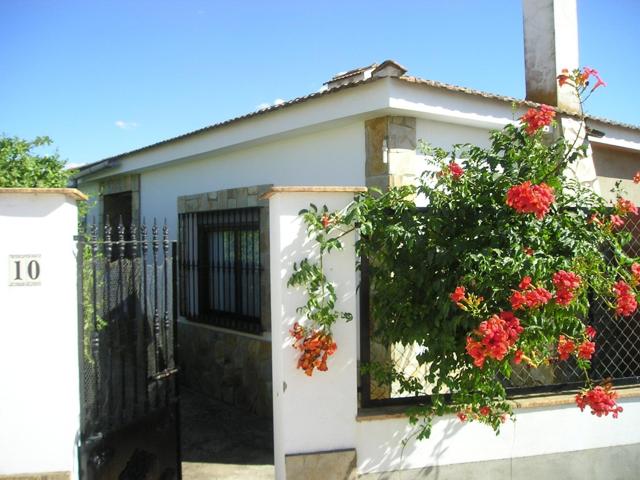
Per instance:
x=129, y=391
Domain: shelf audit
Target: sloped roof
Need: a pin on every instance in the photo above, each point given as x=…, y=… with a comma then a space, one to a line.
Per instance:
x=355, y=84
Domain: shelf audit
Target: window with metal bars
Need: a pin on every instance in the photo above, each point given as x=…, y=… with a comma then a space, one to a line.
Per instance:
x=220, y=268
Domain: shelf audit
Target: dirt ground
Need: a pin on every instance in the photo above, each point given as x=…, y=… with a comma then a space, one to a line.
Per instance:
x=223, y=442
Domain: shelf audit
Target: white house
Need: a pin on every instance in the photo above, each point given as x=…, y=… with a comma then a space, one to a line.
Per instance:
x=221, y=190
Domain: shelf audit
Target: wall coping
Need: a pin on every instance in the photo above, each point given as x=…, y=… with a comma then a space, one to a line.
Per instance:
x=311, y=189
x=69, y=192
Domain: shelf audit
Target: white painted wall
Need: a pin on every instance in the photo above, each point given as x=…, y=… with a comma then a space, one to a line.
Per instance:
x=615, y=135
x=444, y=105
x=317, y=413
x=39, y=392
x=328, y=157
x=537, y=431
x=445, y=135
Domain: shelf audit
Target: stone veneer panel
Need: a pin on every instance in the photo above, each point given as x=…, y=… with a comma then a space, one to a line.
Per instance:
x=336, y=465
x=393, y=167
x=228, y=366
x=224, y=199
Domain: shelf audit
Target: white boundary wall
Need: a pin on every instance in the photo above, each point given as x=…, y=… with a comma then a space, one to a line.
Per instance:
x=320, y=414
x=39, y=393
x=537, y=431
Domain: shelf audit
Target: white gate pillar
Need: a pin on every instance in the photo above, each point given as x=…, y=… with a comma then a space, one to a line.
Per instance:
x=39, y=389
x=314, y=417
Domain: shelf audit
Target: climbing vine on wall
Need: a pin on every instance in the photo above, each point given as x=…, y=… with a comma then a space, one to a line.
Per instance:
x=498, y=270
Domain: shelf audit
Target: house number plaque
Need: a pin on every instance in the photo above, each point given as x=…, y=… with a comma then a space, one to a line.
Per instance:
x=24, y=270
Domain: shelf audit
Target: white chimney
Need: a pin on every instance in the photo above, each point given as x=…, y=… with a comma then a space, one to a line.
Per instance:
x=550, y=44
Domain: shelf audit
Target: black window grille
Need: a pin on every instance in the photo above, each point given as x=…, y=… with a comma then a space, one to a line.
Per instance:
x=617, y=354
x=220, y=268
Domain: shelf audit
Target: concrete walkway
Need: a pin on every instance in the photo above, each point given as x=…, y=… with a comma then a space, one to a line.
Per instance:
x=222, y=442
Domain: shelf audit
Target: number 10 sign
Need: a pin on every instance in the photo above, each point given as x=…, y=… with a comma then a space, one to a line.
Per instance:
x=24, y=270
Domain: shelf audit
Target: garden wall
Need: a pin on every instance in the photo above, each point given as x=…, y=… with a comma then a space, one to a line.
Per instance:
x=319, y=429
x=554, y=441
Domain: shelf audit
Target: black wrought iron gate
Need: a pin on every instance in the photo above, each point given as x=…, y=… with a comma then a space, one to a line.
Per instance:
x=129, y=387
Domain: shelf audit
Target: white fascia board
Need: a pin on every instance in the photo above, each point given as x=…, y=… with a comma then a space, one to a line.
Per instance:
x=615, y=136
x=363, y=101
x=424, y=101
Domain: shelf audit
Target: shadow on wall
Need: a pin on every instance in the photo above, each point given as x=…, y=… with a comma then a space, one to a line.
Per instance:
x=393, y=454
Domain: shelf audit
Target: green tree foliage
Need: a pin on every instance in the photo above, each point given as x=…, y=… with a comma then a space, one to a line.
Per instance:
x=22, y=167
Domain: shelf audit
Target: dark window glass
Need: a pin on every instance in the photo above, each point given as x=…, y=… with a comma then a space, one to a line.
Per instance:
x=117, y=207
x=220, y=268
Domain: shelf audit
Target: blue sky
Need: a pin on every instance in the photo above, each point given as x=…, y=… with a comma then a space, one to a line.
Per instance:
x=104, y=77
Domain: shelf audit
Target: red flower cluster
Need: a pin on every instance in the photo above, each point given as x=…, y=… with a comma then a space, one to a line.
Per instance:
x=534, y=119
x=527, y=198
x=635, y=271
x=590, y=332
x=588, y=72
x=315, y=346
x=566, y=346
x=586, y=350
x=595, y=219
x=458, y=295
x=455, y=169
x=517, y=357
x=602, y=401
x=625, y=206
x=528, y=296
x=566, y=284
x=497, y=335
x=617, y=221
x=626, y=300
x=580, y=78
x=564, y=77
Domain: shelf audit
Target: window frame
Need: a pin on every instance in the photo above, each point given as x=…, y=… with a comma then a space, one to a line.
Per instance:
x=191, y=278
